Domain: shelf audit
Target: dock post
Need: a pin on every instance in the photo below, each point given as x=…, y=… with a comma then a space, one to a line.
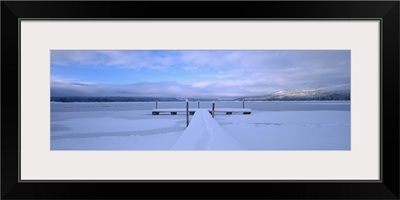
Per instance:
x=156, y=105
x=187, y=113
x=213, y=108
x=198, y=104
x=243, y=103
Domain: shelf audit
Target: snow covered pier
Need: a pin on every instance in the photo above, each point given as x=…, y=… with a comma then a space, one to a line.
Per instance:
x=228, y=111
x=204, y=133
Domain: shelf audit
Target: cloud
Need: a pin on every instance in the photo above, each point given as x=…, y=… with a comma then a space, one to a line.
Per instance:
x=201, y=73
x=187, y=60
x=70, y=87
x=73, y=57
x=66, y=87
x=190, y=68
x=114, y=59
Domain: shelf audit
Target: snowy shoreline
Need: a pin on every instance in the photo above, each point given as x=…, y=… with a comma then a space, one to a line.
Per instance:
x=254, y=105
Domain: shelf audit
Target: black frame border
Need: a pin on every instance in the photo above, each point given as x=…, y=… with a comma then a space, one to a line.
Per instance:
x=385, y=11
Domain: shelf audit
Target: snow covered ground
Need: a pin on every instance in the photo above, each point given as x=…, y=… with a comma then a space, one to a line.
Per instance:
x=290, y=130
x=131, y=126
x=114, y=130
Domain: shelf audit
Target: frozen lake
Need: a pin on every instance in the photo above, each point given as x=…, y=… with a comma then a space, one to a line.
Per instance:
x=131, y=126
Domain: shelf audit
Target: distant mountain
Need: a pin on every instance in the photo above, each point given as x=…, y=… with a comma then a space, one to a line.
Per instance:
x=123, y=99
x=316, y=94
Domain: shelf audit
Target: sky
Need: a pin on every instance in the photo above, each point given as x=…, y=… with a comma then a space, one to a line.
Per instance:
x=195, y=73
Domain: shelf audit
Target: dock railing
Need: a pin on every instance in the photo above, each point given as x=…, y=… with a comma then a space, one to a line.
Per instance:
x=213, y=110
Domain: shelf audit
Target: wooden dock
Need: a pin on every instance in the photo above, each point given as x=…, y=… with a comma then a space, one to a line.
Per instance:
x=204, y=133
x=192, y=111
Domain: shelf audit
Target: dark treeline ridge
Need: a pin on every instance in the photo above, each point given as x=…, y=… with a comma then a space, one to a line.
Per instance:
x=122, y=99
x=153, y=99
x=313, y=95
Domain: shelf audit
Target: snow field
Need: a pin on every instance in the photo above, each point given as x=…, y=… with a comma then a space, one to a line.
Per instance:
x=114, y=130
x=137, y=129
x=290, y=130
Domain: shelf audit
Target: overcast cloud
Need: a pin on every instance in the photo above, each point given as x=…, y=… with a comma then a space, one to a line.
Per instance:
x=205, y=73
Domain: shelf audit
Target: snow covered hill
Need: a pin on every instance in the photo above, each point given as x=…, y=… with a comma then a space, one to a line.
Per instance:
x=319, y=94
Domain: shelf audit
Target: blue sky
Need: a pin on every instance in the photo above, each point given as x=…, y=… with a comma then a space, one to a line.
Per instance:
x=195, y=73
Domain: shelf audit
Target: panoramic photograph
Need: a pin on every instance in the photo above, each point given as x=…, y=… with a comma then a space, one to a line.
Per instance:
x=252, y=100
